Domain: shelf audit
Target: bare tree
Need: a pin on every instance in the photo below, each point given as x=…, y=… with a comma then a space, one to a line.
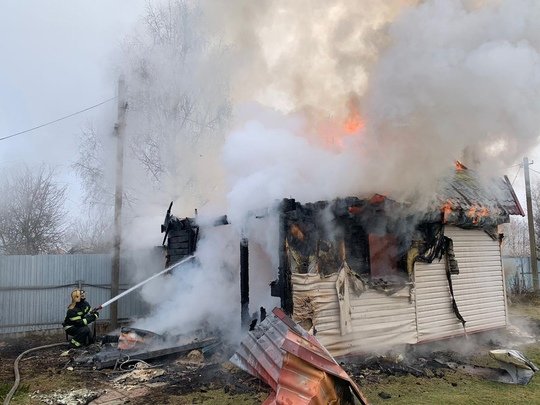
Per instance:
x=90, y=167
x=516, y=239
x=177, y=84
x=178, y=112
x=93, y=234
x=32, y=213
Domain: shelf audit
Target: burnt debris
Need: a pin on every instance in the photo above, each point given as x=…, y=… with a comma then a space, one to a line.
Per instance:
x=133, y=345
x=181, y=235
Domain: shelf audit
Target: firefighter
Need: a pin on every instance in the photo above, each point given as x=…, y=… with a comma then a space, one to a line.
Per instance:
x=79, y=315
x=83, y=305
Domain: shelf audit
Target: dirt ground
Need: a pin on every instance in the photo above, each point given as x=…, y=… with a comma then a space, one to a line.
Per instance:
x=173, y=379
x=416, y=375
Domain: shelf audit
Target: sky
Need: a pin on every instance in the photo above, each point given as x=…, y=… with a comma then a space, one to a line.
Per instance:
x=58, y=57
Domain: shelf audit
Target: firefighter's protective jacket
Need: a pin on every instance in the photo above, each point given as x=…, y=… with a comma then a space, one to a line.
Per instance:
x=78, y=316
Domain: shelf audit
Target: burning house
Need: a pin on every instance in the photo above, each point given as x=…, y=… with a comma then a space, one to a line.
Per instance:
x=380, y=276
x=370, y=274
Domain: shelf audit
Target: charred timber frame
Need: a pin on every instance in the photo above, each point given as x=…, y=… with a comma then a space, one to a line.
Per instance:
x=284, y=270
x=244, y=282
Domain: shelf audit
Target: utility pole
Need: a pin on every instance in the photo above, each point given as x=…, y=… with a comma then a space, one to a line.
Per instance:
x=532, y=239
x=119, y=132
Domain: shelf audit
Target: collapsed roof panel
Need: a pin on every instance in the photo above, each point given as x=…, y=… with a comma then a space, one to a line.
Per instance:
x=293, y=362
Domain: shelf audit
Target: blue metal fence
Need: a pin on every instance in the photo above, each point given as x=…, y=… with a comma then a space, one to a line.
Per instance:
x=35, y=290
x=518, y=274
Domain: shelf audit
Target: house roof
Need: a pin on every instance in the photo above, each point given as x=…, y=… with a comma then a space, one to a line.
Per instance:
x=465, y=191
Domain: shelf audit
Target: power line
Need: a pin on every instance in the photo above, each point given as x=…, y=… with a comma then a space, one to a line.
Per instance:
x=532, y=170
x=515, y=177
x=57, y=120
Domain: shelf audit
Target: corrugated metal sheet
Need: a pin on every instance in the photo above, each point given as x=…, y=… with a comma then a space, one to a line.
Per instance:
x=377, y=320
x=292, y=362
x=35, y=290
x=478, y=288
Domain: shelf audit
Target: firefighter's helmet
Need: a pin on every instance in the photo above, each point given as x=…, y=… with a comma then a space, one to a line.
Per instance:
x=75, y=298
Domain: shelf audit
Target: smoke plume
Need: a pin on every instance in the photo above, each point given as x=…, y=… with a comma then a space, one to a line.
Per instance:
x=329, y=99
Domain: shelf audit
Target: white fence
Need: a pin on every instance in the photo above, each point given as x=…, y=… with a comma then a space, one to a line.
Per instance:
x=35, y=290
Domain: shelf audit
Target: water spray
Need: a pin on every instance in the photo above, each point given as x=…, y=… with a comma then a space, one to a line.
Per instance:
x=170, y=268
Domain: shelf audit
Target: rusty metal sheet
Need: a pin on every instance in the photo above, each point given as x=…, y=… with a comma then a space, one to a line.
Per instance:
x=293, y=363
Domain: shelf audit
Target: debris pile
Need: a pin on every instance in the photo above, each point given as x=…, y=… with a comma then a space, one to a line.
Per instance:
x=135, y=345
x=73, y=397
x=514, y=367
x=141, y=373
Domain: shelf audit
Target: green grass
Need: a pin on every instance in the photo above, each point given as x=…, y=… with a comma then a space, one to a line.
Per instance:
x=465, y=389
x=42, y=381
x=20, y=396
x=530, y=310
x=218, y=397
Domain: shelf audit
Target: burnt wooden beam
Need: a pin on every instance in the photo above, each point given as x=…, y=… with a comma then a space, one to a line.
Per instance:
x=244, y=282
x=284, y=284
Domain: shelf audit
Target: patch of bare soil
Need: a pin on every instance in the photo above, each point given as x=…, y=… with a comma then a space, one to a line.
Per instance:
x=44, y=373
x=34, y=362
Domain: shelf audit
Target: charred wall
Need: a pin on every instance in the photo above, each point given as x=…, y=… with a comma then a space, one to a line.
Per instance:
x=318, y=238
x=182, y=235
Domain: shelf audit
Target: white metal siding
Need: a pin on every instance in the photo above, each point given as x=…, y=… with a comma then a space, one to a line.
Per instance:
x=478, y=288
x=378, y=321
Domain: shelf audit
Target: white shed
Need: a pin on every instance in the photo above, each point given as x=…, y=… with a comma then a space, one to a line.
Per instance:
x=366, y=274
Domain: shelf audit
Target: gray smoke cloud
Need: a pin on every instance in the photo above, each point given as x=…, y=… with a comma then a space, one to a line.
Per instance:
x=431, y=82
x=342, y=98
x=459, y=80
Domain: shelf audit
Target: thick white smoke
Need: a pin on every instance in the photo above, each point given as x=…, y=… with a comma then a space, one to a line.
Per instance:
x=424, y=83
x=458, y=80
x=441, y=80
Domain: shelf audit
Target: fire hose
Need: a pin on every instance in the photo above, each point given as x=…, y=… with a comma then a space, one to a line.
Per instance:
x=10, y=394
x=116, y=298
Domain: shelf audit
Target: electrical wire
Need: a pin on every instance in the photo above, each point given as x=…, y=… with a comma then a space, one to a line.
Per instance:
x=515, y=177
x=11, y=392
x=58, y=119
x=532, y=170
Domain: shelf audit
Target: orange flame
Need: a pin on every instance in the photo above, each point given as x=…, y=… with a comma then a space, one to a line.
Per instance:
x=354, y=122
x=476, y=213
x=333, y=132
x=446, y=209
